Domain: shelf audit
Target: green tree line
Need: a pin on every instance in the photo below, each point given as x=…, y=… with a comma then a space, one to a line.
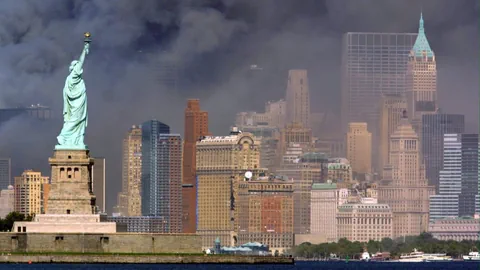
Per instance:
x=424, y=242
x=6, y=223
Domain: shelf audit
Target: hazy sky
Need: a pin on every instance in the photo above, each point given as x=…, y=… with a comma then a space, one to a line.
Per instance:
x=214, y=43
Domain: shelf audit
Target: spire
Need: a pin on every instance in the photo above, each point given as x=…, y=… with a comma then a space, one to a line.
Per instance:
x=422, y=47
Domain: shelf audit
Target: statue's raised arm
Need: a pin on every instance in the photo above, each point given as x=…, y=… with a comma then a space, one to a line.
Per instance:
x=75, y=117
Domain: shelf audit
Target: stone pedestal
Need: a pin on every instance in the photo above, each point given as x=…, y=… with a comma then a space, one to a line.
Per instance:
x=71, y=183
x=65, y=224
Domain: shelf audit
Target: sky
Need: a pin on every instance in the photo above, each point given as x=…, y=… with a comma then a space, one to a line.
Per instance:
x=213, y=42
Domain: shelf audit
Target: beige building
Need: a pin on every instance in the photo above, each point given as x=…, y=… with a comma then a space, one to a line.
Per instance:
x=267, y=216
x=404, y=187
x=7, y=201
x=129, y=200
x=392, y=107
x=364, y=222
x=339, y=170
x=222, y=162
x=456, y=229
x=421, y=80
x=274, y=116
x=297, y=134
x=31, y=193
x=359, y=148
x=298, y=98
x=325, y=199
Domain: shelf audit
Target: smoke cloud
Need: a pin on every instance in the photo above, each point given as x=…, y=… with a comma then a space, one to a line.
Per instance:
x=212, y=43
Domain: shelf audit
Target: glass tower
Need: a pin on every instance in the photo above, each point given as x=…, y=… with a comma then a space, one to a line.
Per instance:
x=162, y=174
x=5, y=173
x=434, y=127
x=373, y=64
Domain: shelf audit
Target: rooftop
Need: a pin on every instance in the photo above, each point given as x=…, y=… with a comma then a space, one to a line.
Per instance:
x=422, y=47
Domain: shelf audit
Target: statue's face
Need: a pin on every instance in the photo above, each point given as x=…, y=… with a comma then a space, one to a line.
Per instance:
x=72, y=65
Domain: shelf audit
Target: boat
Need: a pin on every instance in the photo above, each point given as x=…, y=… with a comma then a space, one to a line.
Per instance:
x=472, y=256
x=365, y=256
x=380, y=257
x=415, y=256
x=441, y=257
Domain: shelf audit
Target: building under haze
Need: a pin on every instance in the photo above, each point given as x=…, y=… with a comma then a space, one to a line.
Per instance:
x=392, y=107
x=265, y=212
x=458, y=179
x=222, y=162
x=324, y=204
x=298, y=98
x=373, y=64
x=98, y=183
x=434, y=127
x=404, y=187
x=196, y=127
x=162, y=174
x=7, y=201
x=421, y=80
x=5, y=173
x=31, y=193
x=359, y=148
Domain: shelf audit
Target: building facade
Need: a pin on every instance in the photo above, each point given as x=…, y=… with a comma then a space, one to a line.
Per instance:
x=162, y=174
x=265, y=212
x=404, y=187
x=324, y=203
x=364, y=222
x=7, y=201
x=196, y=127
x=298, y=98
x=139, y=224
x=31, y=193
x=392, y=107
x=339, y=170
x=373, y=64
x=98, y=183
x=458, y=179
x=434, y=127
x=5, y=173
x=421, y=80
x=132, y=171
x=456, y=229
x=359, y=148
x=222, y=162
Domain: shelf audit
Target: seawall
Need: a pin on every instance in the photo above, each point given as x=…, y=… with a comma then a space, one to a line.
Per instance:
x=143, y=259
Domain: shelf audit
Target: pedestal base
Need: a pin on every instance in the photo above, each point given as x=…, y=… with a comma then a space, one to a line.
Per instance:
x=65, y=224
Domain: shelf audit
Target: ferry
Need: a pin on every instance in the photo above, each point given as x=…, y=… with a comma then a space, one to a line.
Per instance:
x=380, y=257
x=418, y=256
x=472, y=256
x=365, y=256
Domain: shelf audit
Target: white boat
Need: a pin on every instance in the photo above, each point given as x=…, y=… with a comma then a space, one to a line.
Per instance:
x=437, y=257
x=472, y=256
x=365, y=256
x=415, y=256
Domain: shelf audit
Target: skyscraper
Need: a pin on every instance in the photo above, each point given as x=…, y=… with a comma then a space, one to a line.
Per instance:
x=373, y=64
x=5, y=173
x=196, y=127
x=162, y=174
x=434, y=126
x=222, y=162
x=404, y=187
x=298, y=98
x=98, y=183
x=359, y=148
x=391, y=109
x=421, y=80
x=31, y=193
x=458, y=179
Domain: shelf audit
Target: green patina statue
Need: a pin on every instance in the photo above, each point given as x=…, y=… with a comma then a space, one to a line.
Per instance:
x=75, y=117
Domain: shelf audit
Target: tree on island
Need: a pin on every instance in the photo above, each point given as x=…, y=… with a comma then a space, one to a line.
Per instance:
x=6, y=224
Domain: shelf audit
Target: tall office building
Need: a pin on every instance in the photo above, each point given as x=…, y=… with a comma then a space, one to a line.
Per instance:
x=434, y=127
x=404, y=187
x=162, y=174
x=391, y=109
x=222, y=162
x=7, y=201
x=5, y=173
x=196, y=127
x=31, y=193
x=359, y=148
x=98, y=183
x=458, y=179
x=324, y=204
x=267, y=216
x=298, y=98
x=421, y=80
x=373, y=64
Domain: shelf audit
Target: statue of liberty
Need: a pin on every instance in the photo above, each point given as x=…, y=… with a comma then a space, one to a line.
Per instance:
x=75, y=117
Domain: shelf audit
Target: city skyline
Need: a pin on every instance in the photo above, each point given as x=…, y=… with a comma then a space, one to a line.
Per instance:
x=109, y=93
